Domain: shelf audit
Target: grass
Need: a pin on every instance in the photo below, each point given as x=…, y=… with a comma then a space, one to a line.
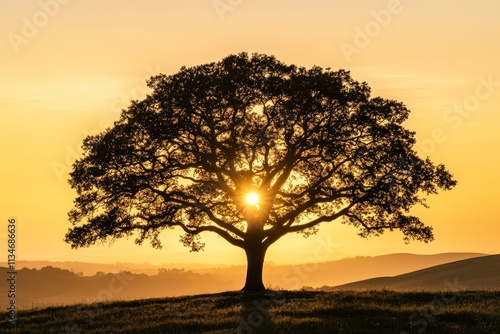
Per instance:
x=275, y=312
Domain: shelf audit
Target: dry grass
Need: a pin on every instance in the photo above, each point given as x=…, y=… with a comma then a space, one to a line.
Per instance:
x=276, y=312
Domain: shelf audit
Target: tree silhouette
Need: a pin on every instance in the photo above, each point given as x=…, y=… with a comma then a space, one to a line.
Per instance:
x=310, y=145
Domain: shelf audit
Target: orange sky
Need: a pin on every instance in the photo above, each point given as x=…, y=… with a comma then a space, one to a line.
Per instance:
x=68, y=66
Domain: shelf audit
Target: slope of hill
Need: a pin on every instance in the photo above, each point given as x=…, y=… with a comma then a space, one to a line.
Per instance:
x=476, y=273
x=358, y=268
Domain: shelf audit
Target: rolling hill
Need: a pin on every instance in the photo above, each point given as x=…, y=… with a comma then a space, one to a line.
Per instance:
x=475, y=273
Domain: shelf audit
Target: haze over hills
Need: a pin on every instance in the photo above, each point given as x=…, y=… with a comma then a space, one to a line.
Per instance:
x=475, y=273
x=284, y=276
x=49, y=283
x=55, y=286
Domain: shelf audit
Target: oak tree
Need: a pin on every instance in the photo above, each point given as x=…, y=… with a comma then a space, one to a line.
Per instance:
x=251, y=149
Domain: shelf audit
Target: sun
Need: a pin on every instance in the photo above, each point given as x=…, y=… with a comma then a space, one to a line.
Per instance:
x=252, y=198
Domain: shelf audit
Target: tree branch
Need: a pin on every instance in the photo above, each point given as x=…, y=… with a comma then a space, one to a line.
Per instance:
x=199, y=229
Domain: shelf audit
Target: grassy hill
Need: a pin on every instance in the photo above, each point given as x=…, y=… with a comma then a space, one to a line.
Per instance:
x=476, y=273
x=276, y=312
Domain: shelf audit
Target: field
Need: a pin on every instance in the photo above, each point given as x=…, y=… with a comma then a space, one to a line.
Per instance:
x=381, y=311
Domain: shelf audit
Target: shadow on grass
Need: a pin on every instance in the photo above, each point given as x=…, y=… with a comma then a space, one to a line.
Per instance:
x=256, y=312
x=273, y=312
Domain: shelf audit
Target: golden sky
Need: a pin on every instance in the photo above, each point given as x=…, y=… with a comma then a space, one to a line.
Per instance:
x=68, y=66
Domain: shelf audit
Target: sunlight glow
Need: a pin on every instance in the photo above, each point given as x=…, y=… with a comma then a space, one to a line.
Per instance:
x=252, y=198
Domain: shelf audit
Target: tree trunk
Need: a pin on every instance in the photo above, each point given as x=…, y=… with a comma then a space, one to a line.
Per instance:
x=255, y=264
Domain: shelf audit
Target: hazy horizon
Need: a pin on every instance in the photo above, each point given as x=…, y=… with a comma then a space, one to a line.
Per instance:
x=113, y=260
x=117, y=261
x=73, y=282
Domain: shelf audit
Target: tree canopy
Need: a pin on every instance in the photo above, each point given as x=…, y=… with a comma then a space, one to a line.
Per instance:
x=312, y=145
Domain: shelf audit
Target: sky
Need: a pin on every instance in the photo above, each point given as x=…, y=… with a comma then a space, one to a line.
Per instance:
x=67, y=68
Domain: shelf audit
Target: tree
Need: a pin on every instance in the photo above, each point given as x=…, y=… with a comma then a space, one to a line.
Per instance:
x=251, y=149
